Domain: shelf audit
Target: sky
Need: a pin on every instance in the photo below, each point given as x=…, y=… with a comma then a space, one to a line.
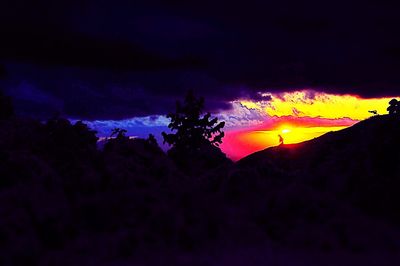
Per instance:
x=253, y=125
x=126, y=62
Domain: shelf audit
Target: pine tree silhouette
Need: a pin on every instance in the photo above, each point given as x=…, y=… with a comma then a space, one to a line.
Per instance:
x=394, y=107
x=196, y=138
x=192, y=130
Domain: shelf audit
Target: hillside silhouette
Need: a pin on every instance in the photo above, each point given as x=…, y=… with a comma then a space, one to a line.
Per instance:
x=359, y=164
x=66, y=202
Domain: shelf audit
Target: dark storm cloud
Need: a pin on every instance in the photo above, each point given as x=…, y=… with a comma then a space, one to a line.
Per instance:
x=71, y=49
x=101, y=94
x=116, y=59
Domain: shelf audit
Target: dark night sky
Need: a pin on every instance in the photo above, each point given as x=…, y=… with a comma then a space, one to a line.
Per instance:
x=118, y=59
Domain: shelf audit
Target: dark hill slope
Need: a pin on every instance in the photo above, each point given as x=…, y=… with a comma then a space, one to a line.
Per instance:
x=64, y=202
x=360, y=164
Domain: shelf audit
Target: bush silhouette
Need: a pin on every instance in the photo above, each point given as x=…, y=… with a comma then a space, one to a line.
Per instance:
x=118, y=133
x=394, y=107
x=65, y=140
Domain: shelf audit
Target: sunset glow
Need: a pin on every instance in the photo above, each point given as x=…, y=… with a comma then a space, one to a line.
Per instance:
x=251, y=125
x=296, y=116
x=318, y=104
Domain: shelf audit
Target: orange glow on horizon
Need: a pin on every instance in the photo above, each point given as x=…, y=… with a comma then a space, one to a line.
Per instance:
x=242, y=143
x=297, y=116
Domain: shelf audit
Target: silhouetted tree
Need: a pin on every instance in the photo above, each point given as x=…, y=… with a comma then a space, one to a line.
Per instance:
x=85, y=135
x=65, y=138
x=196, y=138
x=152, y=140
x=6, y=108
x=394, y=107
x=118, y=133
x=192, y=130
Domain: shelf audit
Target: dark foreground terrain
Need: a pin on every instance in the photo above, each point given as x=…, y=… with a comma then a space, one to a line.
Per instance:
x=333, y=200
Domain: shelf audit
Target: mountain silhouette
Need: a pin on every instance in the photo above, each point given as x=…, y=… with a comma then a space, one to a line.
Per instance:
x=359, y=164
x=64, y=201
